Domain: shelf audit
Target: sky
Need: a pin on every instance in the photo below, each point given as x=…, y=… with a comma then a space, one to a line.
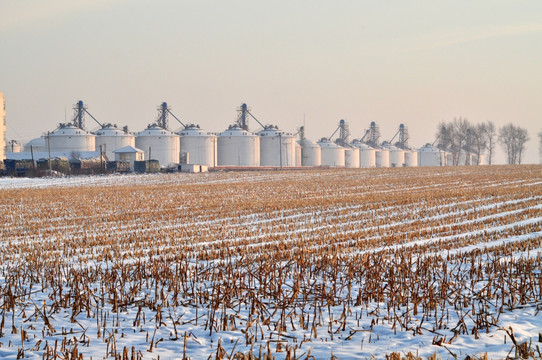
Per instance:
x=292, y=62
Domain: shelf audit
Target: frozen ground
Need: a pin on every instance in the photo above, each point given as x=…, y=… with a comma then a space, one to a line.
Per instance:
x=350, y=264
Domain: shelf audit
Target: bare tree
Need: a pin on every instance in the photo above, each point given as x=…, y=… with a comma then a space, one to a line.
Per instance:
x=478, y=140
x=522, y=137
x=540, y=145
x=506, y=139
x=456, y=137
x=460, y=128
x=467, y=142
x=513, y=139
x=491, y=139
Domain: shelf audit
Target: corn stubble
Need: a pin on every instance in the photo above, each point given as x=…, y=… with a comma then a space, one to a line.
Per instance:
x=281, y=260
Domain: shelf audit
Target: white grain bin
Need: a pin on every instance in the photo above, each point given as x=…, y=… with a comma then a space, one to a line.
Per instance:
x=311, y=153
x=238, y=147
x=429, y=155
x=382, y=158
x=397, y=156
x=200, y=145
x=111, y=138
x=298, y=154
x=332, y=154
x=367, y=155
x=36, y=145
x=71, y=139
x=351, y=157
x=159, y=144
x=277, y=148
x=411, y=158
x=481, y=161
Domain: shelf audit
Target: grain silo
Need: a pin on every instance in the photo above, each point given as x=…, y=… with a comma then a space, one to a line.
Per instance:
x=332, y=154
x=238, y=147
x=450, y=158
x=36, y=145
x=430, y=155
x=397, y=156
x=69, y=138
x=196, y=145
x=110, y=138
x=352, y=157
x=277, y=148
x=480, y=160
x=311, y=153
x=200, y=145
x=411, y=158
x=298, y=154
x=159, y=144
x=367, y=156
x=466, y=158
x=382, y=158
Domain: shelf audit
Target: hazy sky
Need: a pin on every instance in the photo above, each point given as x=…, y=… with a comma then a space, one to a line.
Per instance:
x=392, y=62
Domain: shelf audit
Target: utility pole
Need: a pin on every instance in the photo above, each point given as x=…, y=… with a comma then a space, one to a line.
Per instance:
x=33, y=162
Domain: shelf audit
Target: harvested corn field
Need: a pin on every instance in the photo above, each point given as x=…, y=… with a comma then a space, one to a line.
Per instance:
x=287, y=265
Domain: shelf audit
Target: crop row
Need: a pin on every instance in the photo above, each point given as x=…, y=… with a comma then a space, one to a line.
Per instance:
x=279, y=262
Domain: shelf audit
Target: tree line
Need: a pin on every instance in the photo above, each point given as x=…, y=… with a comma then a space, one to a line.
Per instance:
x=463, y=139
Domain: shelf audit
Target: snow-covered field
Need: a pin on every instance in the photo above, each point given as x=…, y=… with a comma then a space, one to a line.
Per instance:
x=315, y=264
